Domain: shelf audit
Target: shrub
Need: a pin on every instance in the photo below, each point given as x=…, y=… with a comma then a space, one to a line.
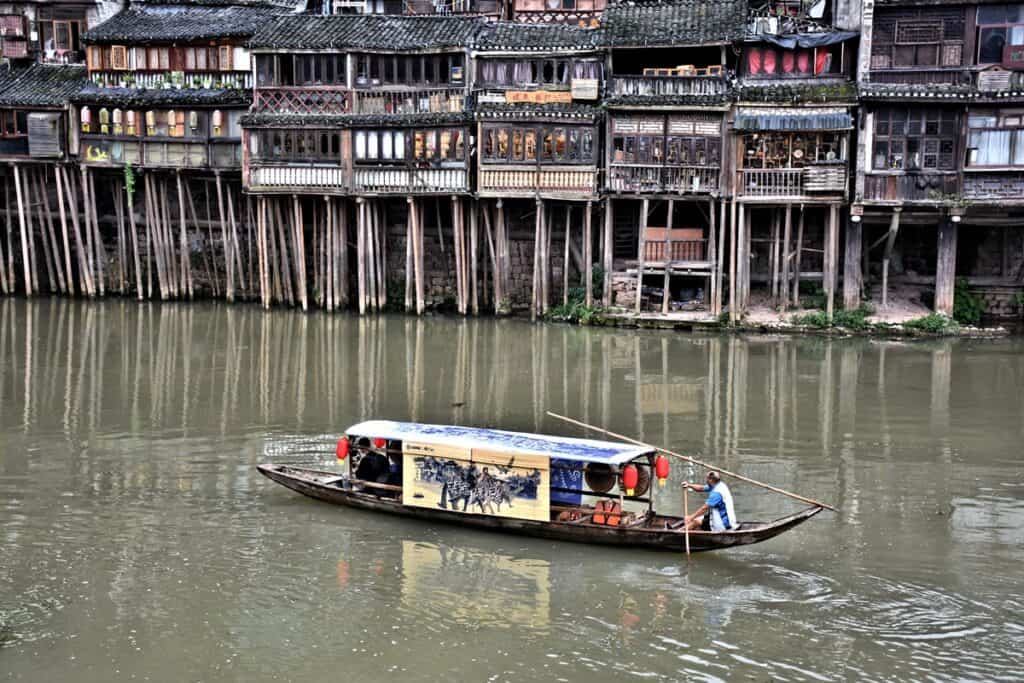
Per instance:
x=855, y=319
x=819, y=320
x=967, y=306
x=934, y=323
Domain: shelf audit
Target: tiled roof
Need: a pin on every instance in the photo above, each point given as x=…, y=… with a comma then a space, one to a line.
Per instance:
x=40, y=85
x=368, y=32
x=519, y=36
x=936, y=92
x=156, y=97
x=178, y=23
x=673, y=22
x=527, y=111
x=272, y=120
x=286, y=5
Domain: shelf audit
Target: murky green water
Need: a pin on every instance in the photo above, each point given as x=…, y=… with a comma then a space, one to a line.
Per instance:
x=139, y=542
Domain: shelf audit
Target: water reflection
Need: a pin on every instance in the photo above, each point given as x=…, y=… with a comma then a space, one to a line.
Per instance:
x=137, y=537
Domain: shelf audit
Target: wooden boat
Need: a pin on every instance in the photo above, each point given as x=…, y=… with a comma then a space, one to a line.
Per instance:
x=543, y=486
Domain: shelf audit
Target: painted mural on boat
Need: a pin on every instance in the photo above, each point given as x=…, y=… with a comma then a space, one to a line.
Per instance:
x=476, y=482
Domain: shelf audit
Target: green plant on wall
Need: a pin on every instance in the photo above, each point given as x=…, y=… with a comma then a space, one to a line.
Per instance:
x=129, y=180
x=967, y=306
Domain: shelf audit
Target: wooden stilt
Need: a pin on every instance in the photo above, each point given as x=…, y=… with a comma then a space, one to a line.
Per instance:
x=852, y=275
x=300, y=253
x=26, y=187
x=640, y=255
x=545, y=261
x=175, y=271
x=588, y=254
x=10, y=235
x=493, y=250
x=945, y=266
x=798, y=257
x=667, y=280
x=890, y=242
x=565, y=259
x=186, y=251
x=609, y=249
x=26, y=263
x=101, y=277
x=773, y=258
x=361, y=253
x=122, y=252
x=382, y=261
x=504, y=257
x=538, y=235
x=711, y=295
x=54, y=277
x=134, y=235
x=460, y=285
x=62, y=213
x=831, y=243
x=733, y=233
x=421, y=302
x=229, y=284
x=237, y=271
x=282, y=254
x=474, y=254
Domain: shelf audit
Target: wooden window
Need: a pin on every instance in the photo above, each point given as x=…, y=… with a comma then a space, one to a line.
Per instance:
x=932, y=37
x=224, y=58
x=781, y=150
x=190, y=58
x=13, y=123
x=118, y=57
x=995, y=138
x=915, y=139
x=1001, y=34
x=105, y=121
x=95, y=58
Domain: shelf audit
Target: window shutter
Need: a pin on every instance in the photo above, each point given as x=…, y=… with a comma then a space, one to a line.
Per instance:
x=225, y=58
x=118, y=57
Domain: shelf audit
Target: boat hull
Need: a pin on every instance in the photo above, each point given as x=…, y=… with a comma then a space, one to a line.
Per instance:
x=331, y=488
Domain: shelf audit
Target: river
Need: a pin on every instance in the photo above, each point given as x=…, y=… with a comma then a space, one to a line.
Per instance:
x=138, y=541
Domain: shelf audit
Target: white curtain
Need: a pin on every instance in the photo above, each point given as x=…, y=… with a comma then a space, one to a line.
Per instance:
x=991, y=147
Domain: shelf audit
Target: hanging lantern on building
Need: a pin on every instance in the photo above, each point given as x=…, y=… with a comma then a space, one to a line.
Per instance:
x=86, y=118
x=150, y=122
x=218, y=121
x=661, y=469
x=342, y=449
x=378, y=442
x=629, y=479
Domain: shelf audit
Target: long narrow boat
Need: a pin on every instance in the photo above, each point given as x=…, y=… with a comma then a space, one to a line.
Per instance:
x=550, y=487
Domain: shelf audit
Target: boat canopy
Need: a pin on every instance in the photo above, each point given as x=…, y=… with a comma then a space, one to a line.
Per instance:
x=560, y=447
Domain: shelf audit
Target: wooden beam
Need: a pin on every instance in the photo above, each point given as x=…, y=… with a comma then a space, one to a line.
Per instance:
x=609, y=251
x=588, y=253
x=797, y=257
x=890, y=242
x=945, y=267
x=666, y=282
x=640, y=255
x=786, y=254
x=852, y=275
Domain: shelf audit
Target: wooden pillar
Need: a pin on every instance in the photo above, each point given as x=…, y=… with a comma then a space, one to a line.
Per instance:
x=474, y=251
x=26, y=264
x=588, y=253
x=831, y=246
x=640, y=255
x=418, y=259
x=228, y=257
x=852, y=275
x=711, y=295
x=186, y=253
x=409, y=227
x=667, y=280
x=537, y=235
x=720, y=258
x=361, y=253
x=733, y=232
x=786, y=255
x=890, y=242
x=300, y=252
x=746, y=244
x=945, y=266
x=565, y=255
x=609, y=251
x=798, y=253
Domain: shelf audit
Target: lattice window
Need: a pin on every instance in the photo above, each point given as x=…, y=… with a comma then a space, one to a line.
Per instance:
x=917, y=33
x=118, y=57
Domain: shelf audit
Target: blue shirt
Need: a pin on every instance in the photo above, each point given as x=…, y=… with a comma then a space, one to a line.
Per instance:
x=716, y=502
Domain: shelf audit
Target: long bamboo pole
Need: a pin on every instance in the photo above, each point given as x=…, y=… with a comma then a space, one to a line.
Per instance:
x=740, y=477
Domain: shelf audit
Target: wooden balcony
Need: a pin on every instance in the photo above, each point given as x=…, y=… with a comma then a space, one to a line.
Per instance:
x=297, y=177
x=419, y=101
x=918, y=76
x=999, y=187
x=899, y=188
x=320, y=100
x=677, y=251
x=808, y=181
x=668, y=86
x=545, y=180
x=156, y=80
x=196, y=154
x=384, y=180
x=659, y=179
x=491, y=8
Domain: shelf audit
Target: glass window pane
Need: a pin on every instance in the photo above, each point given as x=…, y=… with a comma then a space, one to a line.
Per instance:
x=360, y=144
x=990, y=45
x=386, y=150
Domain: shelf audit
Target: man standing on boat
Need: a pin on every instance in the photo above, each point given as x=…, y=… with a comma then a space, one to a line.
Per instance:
x=717, y=514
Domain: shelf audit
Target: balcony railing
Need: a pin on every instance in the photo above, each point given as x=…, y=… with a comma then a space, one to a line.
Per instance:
x=421, y=101
x=792, y=182
x=450, y=7
x=652, y=86
x=296, y=176
x=194, y=154
x=574, y=180
x=654, y=178
x=289, y=100
x=918, y=76
x=678, y=250
x=410, y=180
x=155, y=80
x=910, y=187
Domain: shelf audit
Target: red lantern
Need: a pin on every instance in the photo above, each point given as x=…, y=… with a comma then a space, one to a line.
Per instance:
x=379, y=442
x=342, y=450
x=661, y=469
x=630, y=478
